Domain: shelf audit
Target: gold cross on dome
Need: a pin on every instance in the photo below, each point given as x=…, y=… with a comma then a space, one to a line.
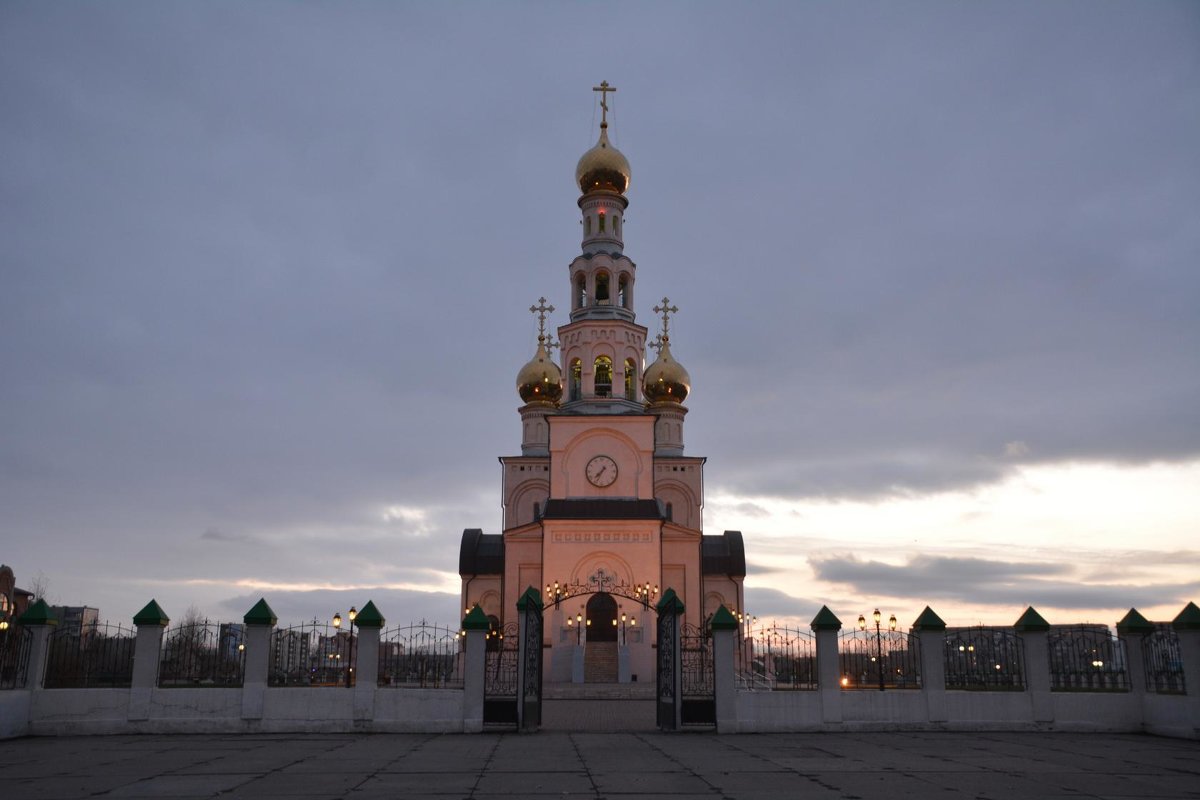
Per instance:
x=603, y=89
x=656, y=345
x=666, y=309
x=542, y=310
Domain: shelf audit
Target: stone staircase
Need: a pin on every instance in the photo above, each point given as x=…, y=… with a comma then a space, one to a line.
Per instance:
x=600, y=662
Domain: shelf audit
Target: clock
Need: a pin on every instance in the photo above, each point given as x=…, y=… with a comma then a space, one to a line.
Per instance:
x=601, y=471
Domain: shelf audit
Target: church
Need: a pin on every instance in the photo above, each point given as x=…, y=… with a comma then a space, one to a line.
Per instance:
x=602, y=509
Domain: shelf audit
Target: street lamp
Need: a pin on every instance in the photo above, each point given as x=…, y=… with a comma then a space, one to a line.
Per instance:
x=577, y=622
x=862, y=626
x=337, y=624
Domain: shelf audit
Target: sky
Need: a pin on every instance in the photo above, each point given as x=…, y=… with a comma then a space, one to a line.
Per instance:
x=265, y=272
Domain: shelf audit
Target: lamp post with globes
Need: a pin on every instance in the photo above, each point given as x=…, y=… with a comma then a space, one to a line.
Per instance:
x=337, y=624
x=862, y=626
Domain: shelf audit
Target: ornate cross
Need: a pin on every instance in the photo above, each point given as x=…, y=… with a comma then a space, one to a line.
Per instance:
x=656, y=345
x=542, y=310
x=603, y=89
x=665, y=309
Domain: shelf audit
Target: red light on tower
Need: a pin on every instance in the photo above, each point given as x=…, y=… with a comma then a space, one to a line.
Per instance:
x=602, y=212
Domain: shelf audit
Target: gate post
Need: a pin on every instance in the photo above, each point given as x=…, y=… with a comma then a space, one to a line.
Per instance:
x=724, y=632
x=1187, y=628
x=1034, y=632
x=825, y=626
x=39, y=619
x=931, y=631
x=259, y=621
x=529, y=660
x=366, y=660
x=669, y=683
x=475, y=627
x=147, y=652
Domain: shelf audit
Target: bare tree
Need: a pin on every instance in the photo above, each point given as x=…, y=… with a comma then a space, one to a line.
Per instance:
x=40, y=586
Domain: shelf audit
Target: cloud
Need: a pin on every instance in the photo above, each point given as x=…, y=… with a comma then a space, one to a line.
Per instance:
x=982, y=581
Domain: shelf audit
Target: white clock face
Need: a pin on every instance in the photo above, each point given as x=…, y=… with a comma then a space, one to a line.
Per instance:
x=601, y=471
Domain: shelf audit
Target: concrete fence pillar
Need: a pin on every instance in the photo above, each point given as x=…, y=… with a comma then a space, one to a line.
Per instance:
x=366, y=660
x=725, y=627
x=931, y=632
x=41, y=622
x=475, y=627
x=1133, y=630
x=1187, y=627
x=1034, y=632
x=260, y=623
x=825, y=626
x=147, y=653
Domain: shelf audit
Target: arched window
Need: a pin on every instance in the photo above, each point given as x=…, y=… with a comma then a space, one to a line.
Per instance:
x=603, y=372
x=617, y=226
x=576, y=391
x=587, y=226
x=670, y=513
x=623, y=299
x=602, y=222
x=630, y=379
x=580, y=290
x=601, y=288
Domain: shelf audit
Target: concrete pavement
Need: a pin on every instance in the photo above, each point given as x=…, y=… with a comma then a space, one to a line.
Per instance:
x=619, y=766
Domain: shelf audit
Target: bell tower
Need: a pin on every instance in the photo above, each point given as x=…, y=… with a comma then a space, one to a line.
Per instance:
x=602, y=345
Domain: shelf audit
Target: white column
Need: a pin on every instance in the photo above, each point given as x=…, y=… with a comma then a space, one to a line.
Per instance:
x=725, y=633
x=366, y=672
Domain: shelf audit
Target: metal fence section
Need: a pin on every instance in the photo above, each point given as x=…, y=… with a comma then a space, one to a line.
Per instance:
x=93, y=655
x=986, y=659
x=879, y=659
x=15, y=644
x=1163, y=660
x=1087, y=658
x=421, y=655
x=312, y=654
x=777, y=658
x=202, y=654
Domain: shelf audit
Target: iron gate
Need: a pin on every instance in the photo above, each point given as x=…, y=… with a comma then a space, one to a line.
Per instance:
x=500, y=679
x=698, y=702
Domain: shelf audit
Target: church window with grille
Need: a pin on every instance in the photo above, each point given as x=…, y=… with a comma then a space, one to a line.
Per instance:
x=623, y=299
x=602, y=288
x=630, y=379
x=604, y=374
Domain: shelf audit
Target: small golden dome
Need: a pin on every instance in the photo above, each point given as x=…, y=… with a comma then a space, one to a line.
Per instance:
x=540, y=380
x=602, y=167
x=666, y=381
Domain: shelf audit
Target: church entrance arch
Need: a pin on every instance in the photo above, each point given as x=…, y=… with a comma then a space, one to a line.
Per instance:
x=602, y=618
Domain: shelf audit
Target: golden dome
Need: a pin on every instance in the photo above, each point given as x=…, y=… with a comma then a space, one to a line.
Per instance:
x=602, y=167
x=666, y=381
x=540, y=380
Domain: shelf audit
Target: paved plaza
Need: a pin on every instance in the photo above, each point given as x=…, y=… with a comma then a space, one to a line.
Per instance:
x=603, y=765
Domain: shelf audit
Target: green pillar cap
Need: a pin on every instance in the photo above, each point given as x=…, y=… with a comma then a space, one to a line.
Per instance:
x=38, y=614
x=476, y=620
x=929, y=621
x=1032, y=622
x=1188, y=619
x=669, y=602
x=369, y=617
x=261, y=614
x=152, y=614
x=825, y=620
x=531, y=595
x=723, y=620
x=1134, y=622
